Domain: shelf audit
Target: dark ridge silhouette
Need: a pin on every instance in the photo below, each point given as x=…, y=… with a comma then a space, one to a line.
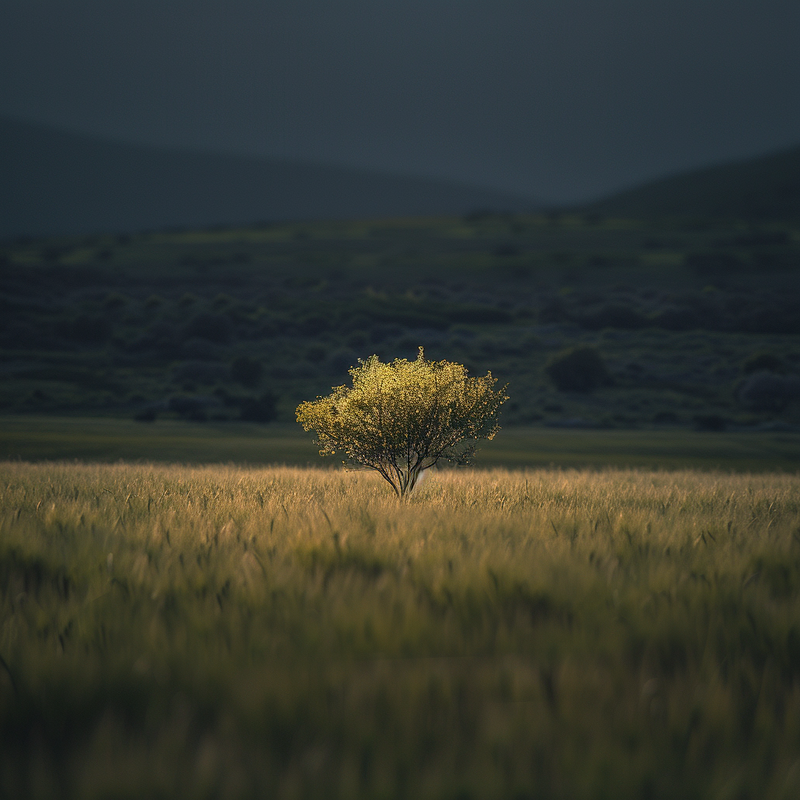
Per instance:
x=58, y=182
x=764, y=188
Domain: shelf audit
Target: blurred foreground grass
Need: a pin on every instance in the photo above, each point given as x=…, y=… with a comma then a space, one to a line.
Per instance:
x=284, y=633
x=35, y=438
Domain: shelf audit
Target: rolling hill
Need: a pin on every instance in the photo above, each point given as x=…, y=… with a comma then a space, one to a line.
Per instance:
x=759, y=189
x=57, y=182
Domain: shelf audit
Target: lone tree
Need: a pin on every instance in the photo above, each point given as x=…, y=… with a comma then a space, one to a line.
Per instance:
x=402, y=418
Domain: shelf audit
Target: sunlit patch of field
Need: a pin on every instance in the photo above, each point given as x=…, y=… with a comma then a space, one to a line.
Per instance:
x=228, y=632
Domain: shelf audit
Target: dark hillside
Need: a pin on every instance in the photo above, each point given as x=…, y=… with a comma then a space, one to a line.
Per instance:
x=594, y=323
x=766, y=188
x=56, y=182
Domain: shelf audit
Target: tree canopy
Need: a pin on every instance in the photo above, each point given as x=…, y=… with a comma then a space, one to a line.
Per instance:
x=403, y=417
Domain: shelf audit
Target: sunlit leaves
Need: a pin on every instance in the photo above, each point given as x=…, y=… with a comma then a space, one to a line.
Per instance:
x=402, y=418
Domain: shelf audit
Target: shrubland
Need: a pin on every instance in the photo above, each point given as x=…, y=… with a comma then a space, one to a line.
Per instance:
x=230, y=632
x=204, y=324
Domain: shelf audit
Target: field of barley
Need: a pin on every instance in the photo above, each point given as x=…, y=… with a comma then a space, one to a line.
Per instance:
x=204, y=632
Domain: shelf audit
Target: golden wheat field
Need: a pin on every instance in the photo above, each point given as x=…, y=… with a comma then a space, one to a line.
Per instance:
x=226, y=632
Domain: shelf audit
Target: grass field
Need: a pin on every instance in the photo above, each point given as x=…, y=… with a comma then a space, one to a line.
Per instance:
x=106, y=439
x=224, y=631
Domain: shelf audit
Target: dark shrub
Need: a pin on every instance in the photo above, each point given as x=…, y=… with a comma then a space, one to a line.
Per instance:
x=665, y=417
x=762, y=238
x=225, y=397
x=146, y=415
x=114, y=301
x=52, y=253
x=579, y=369
x=762, y=362
x=223, y=302
x=405, y=317
x=713, y=264
x=191, y=408
x=766, y=391
x=259, y=409
x=359, y=321
x=771, y=314
x=380, y=333
x=154, y=301
x=89, y=329
x=479, y=315
x=614, y=315
x=709, y=422
x=766, y=261
x=201, y=350
x=316, y=353
x=553, y=310
x=82, y=377
x=200, y=371
x=479, y=215
x=187, y=300
x=676, y=318
x=211, y=327
x=357, y=339
x=160, y=338
x=313, y=325
x=341, y=360
x=246, y=371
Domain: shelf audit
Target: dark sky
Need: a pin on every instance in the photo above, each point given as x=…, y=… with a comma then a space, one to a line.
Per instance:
x=560, y=99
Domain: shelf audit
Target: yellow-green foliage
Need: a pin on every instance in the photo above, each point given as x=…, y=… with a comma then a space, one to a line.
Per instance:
x=402, y=418
x=222, y=632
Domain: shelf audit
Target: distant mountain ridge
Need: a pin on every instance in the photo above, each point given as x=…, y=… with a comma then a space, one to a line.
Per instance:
x=755, y=189
x=54, y=181
x=58, y=182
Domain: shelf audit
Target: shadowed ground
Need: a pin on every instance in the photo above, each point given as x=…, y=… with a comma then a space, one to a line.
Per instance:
x=104, y=439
